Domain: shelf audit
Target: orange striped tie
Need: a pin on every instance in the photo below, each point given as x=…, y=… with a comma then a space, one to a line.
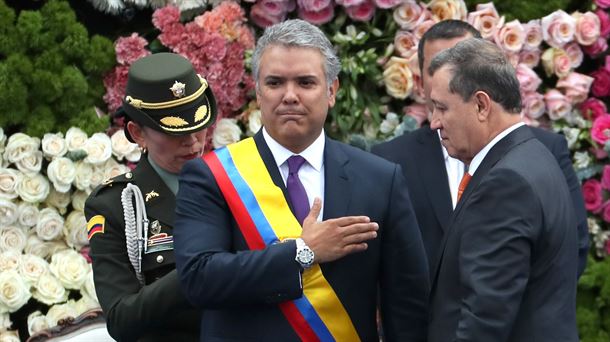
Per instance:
x=463, y=185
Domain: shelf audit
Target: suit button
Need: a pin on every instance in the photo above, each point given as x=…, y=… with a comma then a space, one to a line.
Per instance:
x=159, y=259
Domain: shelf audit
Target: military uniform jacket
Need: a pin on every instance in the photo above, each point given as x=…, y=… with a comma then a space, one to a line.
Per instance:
x=157, y=311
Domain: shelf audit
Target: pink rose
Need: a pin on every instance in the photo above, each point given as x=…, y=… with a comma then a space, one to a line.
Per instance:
x=385, y=4
x=423, y=27
x=592, y=193
x=557, y=104
x=409, y=15
x=604, y=23
x=607, y=64
x=606, y=217
x=600, y=131
x=275, y=8
x=601, y=83
x=318, y=17
x=606, y=177
x=556, y=61
x=533, y=34
x=593, y=108
x=600, y=46
x=510, y=37
x=603, y=3
x=314, y=5
x=486, y=20
x=264, y=18
x=361, y=12
x=587, y=27
x=447, y=9
x=530, y=58
x=529, y=80
x=558, y=28
x=348, y=3
x=405, y=43
x=575, y=86
x=533, y=105
x=575, y=54
x=418, y=111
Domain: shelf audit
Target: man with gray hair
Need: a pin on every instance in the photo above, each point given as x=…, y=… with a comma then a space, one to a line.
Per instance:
x=290, y=235
x=506, y=266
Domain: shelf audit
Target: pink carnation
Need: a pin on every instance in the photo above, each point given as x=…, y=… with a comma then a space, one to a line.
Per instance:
x=318, y=17
x=129, y=49
x=601, y=83
x=600, y=131
x=592, y=108
x=592, y=193
x=173, y=35
x=165, y=17
x=361, y=12
x=115, y=83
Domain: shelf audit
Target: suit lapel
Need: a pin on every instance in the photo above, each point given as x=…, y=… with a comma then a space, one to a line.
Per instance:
x=160, y=200
x=336, y=183
x=433, y=173
x=494, y=155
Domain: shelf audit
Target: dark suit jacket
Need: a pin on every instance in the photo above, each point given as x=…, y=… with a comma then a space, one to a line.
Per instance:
x=508, y=258
x=240, y=289
x=157, y=311
x=421, y=158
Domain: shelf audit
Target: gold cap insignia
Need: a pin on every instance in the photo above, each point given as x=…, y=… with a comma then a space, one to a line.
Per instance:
x=178, y=89
x=151, y=194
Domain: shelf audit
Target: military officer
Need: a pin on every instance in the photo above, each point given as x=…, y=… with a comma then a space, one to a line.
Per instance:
x=130, y=217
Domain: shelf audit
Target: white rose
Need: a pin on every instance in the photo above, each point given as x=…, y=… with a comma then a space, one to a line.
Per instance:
x=5, y=319
x=50, y=224
x=12, y=238
x=390, y=123
x=8, y=212
x=32, y=267
x=54, y=145
x=49, y=290
x=55, y=246
x=9, y=260
x=75, y=230
x=78, y=200
x=225, y=133
x=58, y=200
x=76, y=139
x=20, y=145
x=61, y=172
x=82, y=179
x=62, y=311
x=398, y=78
x=70, y=267
x=30, y=163
x=33, y=189
x=85, y=304
x=98, y=175
x=112, y=169
x=14, y=291
x=98, y=148
x=9, y=178
x=37, y=322
x=35, y=246
x=123, y=148
x=89, y=285
x=27, y=214
x=581, y=160
x=254, y=122
x=9, y=336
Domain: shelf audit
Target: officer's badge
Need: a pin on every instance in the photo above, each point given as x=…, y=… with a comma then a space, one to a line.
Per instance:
x=95, y=225
x=178, y=89
x=155, y=227
x=151, y=195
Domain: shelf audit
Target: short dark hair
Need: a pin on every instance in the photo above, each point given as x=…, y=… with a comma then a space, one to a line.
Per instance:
x=446, y=29
x=479, y=65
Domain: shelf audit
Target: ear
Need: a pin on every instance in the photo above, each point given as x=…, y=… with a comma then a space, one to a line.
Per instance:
x=332, y=92
x=137, y=133
x=483, y=103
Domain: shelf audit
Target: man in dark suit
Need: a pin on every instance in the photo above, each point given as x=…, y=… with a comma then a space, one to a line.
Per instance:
x=507, y=261
x=241, y=253
x=433, y=176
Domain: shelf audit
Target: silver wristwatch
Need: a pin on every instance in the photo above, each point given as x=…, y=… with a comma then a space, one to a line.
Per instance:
x=304, y=255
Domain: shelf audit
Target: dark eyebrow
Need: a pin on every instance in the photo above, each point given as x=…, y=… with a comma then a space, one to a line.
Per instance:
x=437, y=103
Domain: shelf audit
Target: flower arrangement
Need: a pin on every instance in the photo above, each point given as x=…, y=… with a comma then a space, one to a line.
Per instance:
x=51, y=70
x=45, y=274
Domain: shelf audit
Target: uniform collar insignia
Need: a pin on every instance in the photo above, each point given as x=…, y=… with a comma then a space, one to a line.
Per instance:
x=151, y=195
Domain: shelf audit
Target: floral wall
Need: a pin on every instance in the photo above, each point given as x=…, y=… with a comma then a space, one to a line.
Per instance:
x=58, y=140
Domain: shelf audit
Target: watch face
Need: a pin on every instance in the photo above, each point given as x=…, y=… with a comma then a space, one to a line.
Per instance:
x=305, y=256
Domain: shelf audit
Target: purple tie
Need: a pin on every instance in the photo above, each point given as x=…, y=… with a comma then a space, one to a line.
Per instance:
x=296, y=190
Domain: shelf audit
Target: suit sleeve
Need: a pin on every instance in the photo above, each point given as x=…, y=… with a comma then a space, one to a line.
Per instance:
x=494, y=259
x=404, y=284
x=562, y=154
x=130, y=310
x=213, y=272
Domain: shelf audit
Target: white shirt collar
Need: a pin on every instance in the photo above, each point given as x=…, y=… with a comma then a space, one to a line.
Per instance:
x=478, y=158
x=313, y=154
x=445, y=153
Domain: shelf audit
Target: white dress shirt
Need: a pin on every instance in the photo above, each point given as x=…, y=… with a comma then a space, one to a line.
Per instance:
x=455, y=171
x=311, y=173
x=478, y=158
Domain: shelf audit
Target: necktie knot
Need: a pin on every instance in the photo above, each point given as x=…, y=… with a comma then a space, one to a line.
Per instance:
x=294, y=164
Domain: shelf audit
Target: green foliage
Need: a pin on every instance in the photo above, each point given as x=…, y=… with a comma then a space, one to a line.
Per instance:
x=593, y=302
x=50, y=71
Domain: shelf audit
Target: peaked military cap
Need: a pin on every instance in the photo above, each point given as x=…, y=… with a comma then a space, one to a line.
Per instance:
x=165, y=93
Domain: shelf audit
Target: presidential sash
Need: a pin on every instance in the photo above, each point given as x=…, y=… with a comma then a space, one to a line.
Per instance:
x=264, y=218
